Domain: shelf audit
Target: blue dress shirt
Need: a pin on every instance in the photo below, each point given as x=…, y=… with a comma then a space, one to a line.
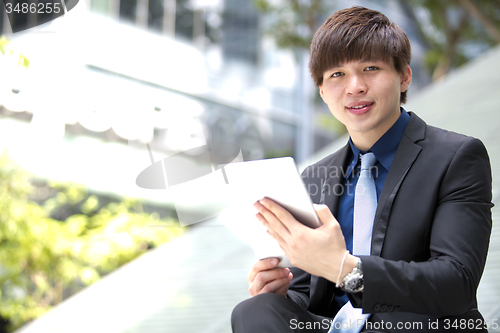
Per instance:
x=384, y=150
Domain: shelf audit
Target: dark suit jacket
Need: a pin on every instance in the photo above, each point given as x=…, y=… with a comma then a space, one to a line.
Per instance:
x=430, y=234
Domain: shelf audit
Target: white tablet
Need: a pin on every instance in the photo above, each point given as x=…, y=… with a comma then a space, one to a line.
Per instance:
x=277, y=179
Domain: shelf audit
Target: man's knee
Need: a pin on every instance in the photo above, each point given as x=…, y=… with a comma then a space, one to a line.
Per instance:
x=251, y=311
x=259, y=303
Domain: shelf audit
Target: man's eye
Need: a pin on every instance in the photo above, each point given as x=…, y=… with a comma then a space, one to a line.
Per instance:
x=371, y=68
x=337, y=74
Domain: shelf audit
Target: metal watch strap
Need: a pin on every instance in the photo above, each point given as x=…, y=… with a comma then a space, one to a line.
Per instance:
x=354, y=281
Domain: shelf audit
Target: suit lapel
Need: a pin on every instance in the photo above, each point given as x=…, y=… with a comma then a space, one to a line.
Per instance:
x=337, y=170
x=321, y=288
x=406, y=155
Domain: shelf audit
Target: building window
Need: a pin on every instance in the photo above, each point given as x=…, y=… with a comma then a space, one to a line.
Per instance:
x=184, y=20
x=128, y=9
x=155, y=15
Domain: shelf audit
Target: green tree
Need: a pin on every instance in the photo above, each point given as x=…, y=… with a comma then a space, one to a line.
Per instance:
x=44, y=260
x=292, y=23
x=455, y=30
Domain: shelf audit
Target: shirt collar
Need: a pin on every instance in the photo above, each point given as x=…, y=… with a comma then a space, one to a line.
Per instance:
x=385, y=148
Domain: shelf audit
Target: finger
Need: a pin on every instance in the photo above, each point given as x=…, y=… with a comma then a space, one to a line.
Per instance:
x=283, y=215
x=276, y=286
x=265, y=216
x=263, y=278
x=262, y=265
x=266, y=224
x=280, y=240
x=284, y=289
x=324, y=214
x=332, y=226
x=263, y=220
x=273, y=221
x=257, y=287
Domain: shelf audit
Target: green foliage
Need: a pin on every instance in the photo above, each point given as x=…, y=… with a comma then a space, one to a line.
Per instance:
x=5, y=50
x=456, y=31
x=292, y=23
x=43, y=259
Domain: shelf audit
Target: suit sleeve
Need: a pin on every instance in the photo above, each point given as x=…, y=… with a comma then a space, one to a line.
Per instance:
x=299, y=289
x=446, y=283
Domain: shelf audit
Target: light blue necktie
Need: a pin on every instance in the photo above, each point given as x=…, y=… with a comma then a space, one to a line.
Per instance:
x=349, y=319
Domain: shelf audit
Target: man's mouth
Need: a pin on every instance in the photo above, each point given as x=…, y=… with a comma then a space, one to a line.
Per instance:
x=360, y=106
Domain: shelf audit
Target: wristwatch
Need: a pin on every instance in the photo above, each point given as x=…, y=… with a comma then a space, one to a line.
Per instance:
x=354, y=282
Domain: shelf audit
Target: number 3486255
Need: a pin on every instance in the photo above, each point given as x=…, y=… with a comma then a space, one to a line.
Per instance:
x=33, y=8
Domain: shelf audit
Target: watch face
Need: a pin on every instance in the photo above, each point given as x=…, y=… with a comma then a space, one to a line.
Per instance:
x=353, y=283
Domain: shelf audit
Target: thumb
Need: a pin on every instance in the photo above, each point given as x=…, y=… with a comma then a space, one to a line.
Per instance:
x=324, y=214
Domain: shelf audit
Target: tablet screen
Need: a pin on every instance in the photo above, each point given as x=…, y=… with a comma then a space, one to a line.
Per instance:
x=277, y=179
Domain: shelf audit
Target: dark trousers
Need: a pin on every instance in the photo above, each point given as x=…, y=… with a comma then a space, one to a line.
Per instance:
x=274, y=313
x=271, y=313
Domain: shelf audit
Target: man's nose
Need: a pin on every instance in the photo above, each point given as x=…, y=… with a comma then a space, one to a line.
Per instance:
x=356, y=85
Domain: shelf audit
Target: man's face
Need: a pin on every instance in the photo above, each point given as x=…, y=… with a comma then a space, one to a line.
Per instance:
x=364, y=96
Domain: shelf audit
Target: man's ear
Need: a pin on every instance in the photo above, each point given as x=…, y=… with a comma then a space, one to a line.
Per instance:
x=406, y=79
x=321, y=92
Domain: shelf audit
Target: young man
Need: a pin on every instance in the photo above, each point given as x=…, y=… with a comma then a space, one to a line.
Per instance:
x=416, y=220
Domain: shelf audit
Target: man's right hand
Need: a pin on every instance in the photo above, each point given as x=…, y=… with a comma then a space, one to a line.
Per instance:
x=265, y=278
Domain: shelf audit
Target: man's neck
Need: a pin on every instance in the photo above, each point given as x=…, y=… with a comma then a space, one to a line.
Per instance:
x=365, y=140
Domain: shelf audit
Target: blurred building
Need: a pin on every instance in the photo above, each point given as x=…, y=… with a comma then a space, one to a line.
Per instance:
x=254, y=94
x=241, y=32
x=100, y=87
x=233, y=102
